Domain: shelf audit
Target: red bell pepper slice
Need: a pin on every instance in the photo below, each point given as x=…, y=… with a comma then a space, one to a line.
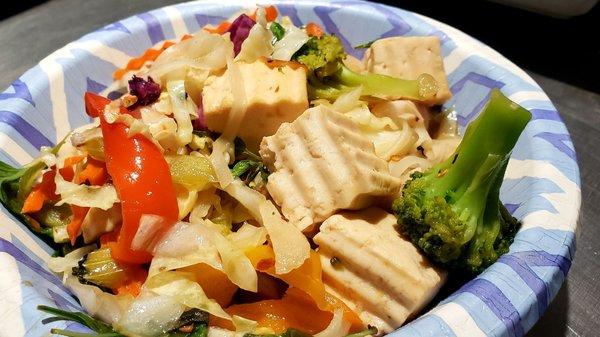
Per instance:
x=141, y=177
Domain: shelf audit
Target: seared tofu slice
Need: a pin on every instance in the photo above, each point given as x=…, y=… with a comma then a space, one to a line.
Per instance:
x=322, y=163
x=407, y=58
x=373, y=269
x=273, y=96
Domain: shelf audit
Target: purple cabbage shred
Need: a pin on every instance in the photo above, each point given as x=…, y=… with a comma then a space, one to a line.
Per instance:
x=200, y=122
x=146, y=91
x=239, y=31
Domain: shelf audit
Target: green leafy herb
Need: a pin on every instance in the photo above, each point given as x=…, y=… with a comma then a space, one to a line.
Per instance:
x=364, y=45
x=242, y=152
x=15, y=185
x=247, y=164
x=277, y=30
x=102, y=329
x=242, y=166
x=371, y=330
x=68, y=333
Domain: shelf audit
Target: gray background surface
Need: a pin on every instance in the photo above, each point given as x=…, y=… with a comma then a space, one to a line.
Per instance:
x=29, y=36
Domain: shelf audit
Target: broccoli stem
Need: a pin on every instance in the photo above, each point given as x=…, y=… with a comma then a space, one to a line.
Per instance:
x=423, y=88
x=486, y=142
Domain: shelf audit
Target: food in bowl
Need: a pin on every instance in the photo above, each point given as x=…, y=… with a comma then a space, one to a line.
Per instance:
x=254, y=179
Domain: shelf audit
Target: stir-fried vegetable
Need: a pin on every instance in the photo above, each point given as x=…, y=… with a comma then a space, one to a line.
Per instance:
x=140, y=175
x=453, y=211
x=193, y=172
x=329, y=77
x=189, y=227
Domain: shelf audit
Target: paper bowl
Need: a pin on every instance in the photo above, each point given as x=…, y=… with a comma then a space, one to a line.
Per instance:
x=541, y=187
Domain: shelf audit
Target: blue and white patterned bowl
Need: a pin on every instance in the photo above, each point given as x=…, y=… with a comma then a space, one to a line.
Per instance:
x=541, y=188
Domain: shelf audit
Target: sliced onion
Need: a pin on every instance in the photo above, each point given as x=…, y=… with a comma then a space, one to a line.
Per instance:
x=145, y=237
x=338, y=327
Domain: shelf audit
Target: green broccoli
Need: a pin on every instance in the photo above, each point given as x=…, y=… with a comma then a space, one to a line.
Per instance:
x=329, y=78
x=453, y=211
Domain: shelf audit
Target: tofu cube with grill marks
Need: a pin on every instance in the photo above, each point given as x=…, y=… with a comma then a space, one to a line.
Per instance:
x=321, y=163
x=377, y=272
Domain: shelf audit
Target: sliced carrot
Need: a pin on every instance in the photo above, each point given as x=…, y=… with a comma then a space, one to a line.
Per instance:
x=307, y=278
x=94, y=173
x=136, y=276
x=42, y=192
x=68, y=169
x=295, y=310
x=271, y=13
x=215, y=283
x=312, y=29
x=74, y=227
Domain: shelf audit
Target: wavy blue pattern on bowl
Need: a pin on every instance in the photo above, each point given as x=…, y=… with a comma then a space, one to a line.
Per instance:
x=541, y=188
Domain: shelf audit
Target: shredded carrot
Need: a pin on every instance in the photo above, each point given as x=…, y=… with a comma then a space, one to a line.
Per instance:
x=42, y=192
x=74, y=227
x=137, y=62
x=271, y=13
x=94, y=173
x=136, y=276
x=312, y=29
x=220, y=29
x=68, y=170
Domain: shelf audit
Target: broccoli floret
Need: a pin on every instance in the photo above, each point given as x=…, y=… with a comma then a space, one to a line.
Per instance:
x=453, y=211
x=329, y=78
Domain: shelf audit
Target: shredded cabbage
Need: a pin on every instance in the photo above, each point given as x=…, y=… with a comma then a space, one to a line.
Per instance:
x=107, y=307
x=391, y=136
x=290, y=246
x=66, y=263
x=203, y=50
x=183, y=109
x=182, y=246
x=102, y=197
x=150, y=315
x=257, y=45
x=291, y=42
x=182, y=288
x=162, y=128
x=248, y=236
x=135, y=126
x=220, y=158
x=186, y=200
x=205, y=200
x=235, y=263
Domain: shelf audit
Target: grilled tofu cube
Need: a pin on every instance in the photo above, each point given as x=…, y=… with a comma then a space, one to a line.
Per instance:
x=322, y=163
x=373, y=269
x=407, y=58
x=273, y=96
